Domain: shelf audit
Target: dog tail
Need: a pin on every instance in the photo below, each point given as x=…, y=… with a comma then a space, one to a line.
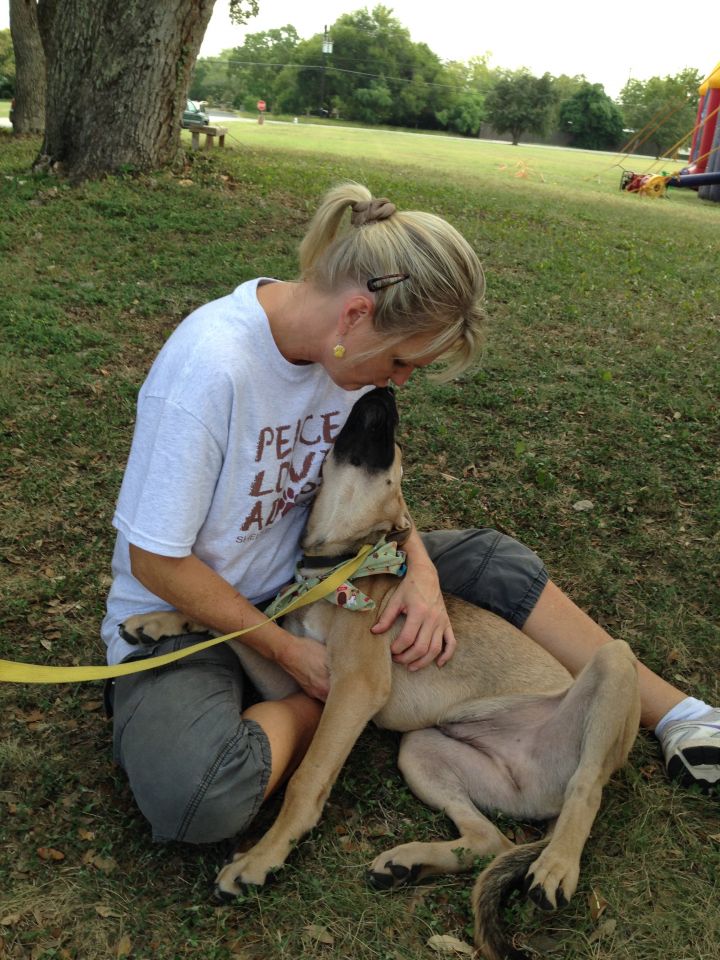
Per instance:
x=492, y=890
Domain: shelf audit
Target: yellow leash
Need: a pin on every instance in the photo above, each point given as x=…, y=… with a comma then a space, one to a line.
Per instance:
x=12, y=672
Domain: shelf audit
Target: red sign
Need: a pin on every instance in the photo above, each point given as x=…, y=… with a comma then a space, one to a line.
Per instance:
x=261, y=105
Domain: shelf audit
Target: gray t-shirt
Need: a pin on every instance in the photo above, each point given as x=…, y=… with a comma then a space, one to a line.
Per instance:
x=229, y=441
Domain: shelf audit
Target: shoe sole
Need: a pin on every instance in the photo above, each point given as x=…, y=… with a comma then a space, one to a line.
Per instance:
x=683, y=766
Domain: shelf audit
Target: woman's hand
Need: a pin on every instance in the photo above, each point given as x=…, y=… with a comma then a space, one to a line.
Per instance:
x=427, y=634
x=306, y=661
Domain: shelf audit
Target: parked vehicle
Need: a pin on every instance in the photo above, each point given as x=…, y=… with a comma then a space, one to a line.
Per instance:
x=193, y=116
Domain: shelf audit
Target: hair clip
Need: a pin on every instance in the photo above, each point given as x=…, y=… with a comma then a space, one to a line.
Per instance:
x=379, y=283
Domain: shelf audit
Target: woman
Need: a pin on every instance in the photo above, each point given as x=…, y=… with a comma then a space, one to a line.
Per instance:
x=233, y=422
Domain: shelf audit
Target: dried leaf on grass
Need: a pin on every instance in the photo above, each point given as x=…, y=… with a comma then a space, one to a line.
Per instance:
x=597, y=903
x=543, y=944
x=50, y=853
x=124, y=947
x=320, y=934
x=11, y=919
x=106, y=865
x=238, y=949
x=441, y=943
x=106, y=912
x=91, y=705
x=605, y=930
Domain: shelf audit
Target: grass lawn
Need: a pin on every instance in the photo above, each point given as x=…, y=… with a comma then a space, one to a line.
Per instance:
x=599, y=383
x=575, y=171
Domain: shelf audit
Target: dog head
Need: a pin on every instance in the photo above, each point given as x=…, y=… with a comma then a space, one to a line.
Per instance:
x=367, y=439
x=361, y=497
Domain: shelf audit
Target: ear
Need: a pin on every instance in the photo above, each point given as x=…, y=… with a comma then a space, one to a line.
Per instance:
x=357, y=307
x=404, y=524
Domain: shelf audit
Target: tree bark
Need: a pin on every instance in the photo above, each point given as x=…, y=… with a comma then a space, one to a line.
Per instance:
x=117, y=80
x=29, y=110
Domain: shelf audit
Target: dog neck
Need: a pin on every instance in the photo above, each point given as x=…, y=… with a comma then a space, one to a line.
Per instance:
x=326, y=561
x=384, y=558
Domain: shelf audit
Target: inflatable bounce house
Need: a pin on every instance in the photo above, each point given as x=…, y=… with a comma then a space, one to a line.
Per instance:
x=703, y=171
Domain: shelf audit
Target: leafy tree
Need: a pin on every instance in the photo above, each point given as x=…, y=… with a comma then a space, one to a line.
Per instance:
x=7, y=66
x=466, y=85
x=464, y=113
x=253, y=68
x=660, y=110
x=211, y=81
x=376, y=74
x=297, y=85
x=592, y=118
x=519, y=103
x=565, y=88
x=30, y=85
x=372, y=101
x=117, y=76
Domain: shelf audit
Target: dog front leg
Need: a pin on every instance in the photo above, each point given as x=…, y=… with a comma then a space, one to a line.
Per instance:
x=353, y=700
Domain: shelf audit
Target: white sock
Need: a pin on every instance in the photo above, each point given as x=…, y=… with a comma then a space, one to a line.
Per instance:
x=687, y=709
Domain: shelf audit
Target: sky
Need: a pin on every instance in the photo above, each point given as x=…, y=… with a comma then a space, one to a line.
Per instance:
x=608, y=41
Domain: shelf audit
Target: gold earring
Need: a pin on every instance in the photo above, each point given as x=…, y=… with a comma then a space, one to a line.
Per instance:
x=339, y=351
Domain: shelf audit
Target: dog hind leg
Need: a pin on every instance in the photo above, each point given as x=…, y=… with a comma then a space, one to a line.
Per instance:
x=604, y=705
x=595, y=723
x=439, y=771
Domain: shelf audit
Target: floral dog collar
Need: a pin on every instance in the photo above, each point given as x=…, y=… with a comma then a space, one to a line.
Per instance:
x=384, y=558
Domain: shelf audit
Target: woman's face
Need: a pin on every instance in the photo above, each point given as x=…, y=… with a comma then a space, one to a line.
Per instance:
x=388, y=364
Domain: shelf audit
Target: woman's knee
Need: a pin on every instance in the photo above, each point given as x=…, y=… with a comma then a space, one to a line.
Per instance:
x=197, y=795
x=489, y=569
x=197, y=769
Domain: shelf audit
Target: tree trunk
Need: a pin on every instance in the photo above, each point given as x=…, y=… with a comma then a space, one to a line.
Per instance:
x=117, y=79
x=29, y=109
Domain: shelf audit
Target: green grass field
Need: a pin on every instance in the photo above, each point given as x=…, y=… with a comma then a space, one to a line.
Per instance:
x=457, y=158
x=599, y=382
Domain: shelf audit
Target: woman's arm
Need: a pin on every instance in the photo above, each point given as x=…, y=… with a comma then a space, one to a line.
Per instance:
x=427, y=634
x=191, y=586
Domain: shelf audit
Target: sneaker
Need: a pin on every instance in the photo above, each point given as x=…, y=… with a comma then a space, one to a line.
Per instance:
x=692, y=750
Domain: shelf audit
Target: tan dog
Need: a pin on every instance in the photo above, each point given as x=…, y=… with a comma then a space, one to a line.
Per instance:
x=501, y=727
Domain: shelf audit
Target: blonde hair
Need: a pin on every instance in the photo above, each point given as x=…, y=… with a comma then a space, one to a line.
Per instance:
x=445, y=284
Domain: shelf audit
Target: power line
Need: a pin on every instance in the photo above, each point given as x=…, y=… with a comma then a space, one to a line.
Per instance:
x=313, y=66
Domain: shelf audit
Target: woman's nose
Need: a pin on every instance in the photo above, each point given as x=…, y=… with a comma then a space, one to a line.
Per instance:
x=401, y=377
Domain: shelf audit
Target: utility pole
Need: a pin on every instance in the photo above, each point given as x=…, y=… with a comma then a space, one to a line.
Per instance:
x=327, y=48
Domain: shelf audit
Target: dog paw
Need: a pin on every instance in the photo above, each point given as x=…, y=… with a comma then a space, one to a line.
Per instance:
x=239, y=878
x=392, y=875
x=224, y=898
x=551, y=880
x=540, y=898
x=402, y=866
x=148, y=628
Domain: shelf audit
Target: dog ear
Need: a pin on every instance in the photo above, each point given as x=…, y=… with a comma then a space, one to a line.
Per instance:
x=401, y=530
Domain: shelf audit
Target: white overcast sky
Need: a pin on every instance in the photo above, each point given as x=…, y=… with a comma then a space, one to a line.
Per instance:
x=608, y=41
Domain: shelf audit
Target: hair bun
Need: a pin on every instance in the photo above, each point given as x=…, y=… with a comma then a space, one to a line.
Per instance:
x=370, y=211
